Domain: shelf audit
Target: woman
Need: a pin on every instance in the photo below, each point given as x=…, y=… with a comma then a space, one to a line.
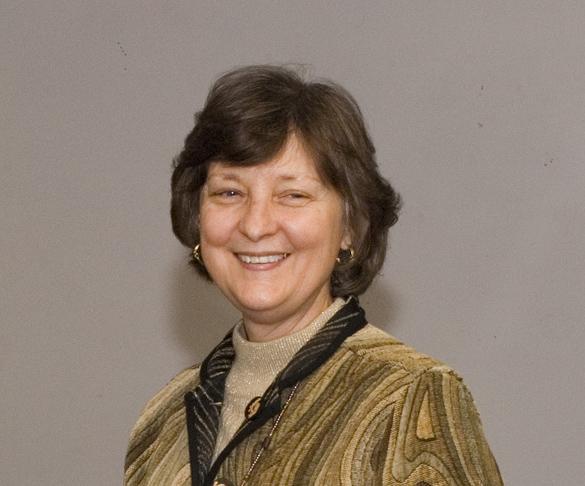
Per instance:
x=278, y=194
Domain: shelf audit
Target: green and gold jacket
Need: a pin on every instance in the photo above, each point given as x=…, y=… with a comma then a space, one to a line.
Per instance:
x=365, y=410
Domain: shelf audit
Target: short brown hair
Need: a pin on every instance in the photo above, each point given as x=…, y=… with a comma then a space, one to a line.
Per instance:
x=248, y=116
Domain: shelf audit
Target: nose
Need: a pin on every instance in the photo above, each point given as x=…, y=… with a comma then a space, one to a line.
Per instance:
x=258, y=219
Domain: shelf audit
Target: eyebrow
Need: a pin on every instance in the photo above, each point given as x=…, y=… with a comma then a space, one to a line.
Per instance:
x=227, y=176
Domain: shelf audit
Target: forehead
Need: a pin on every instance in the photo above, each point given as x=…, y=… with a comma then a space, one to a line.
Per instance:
x=293, y=162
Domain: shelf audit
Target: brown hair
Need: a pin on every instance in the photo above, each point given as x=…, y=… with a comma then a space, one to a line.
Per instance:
x=248, y=116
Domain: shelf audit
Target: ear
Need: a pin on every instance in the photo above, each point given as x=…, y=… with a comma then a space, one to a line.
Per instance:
x=346, y=239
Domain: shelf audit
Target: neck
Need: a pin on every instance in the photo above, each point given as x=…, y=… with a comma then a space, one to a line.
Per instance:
x=267, y=328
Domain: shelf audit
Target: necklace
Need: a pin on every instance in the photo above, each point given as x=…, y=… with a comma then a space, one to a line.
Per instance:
x=268, y=438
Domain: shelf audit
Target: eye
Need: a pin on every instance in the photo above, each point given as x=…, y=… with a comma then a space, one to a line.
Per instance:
x=295, y=198
x=226, y=195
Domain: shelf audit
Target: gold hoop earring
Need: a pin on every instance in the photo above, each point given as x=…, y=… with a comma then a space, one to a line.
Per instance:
x=197, y=253
x=343, y=256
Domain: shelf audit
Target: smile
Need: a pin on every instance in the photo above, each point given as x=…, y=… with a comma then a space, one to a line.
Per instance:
x=257, y=259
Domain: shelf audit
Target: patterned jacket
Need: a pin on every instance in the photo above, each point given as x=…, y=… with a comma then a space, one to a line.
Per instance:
x=365, y=410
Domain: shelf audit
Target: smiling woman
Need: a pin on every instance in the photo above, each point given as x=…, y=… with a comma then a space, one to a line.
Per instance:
x=262, y=240
x=278, y=194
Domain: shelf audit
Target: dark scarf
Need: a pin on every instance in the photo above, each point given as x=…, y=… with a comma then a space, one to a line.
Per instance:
x=204, y=403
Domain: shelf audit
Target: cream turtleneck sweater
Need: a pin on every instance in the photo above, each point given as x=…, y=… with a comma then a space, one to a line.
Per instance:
x=255, y=367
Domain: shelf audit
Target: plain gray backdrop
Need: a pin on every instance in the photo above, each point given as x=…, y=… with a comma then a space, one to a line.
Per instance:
x=477, y=110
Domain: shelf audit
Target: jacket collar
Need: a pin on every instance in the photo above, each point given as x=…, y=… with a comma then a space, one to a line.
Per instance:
x=203, y=405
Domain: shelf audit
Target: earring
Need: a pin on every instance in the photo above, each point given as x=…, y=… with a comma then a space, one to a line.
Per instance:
x=343, y=256
x=197, y=253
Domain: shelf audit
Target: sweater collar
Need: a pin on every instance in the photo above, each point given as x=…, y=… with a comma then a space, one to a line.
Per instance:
x=266, y=359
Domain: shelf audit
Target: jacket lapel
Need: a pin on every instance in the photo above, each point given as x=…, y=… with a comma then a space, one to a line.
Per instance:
x=203, y=408
x=349, y=319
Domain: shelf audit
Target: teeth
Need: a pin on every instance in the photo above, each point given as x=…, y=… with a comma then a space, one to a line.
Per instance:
x=262, y=259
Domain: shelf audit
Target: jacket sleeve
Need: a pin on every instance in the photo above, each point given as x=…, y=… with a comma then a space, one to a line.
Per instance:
x=440, y=439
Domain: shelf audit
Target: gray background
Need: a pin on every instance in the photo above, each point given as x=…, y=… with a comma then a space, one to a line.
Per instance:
x=478, y=113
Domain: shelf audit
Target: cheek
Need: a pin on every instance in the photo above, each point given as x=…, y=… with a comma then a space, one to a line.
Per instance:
x=215, y=228
x=322, y=229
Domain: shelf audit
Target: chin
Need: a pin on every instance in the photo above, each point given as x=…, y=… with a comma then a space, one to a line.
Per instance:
x=259, y=299
x=257, y=303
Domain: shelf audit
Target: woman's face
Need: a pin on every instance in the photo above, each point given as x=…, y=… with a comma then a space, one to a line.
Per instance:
x=270, y=235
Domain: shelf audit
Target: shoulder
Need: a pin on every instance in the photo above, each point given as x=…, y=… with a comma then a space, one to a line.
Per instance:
x=165, y=408
x=170, y=396
x=380, y=358
x=374, y=345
